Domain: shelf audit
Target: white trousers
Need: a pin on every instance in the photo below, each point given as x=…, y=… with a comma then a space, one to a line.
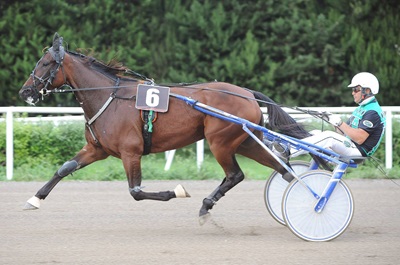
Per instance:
x=331, y=141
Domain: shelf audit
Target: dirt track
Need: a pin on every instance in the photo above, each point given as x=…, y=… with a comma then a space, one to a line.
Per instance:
x=100, y=223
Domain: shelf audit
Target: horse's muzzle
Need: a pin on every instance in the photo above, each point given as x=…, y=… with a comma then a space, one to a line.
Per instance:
x=29, y=94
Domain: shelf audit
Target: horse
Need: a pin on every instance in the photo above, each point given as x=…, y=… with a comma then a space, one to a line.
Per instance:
x=114, y=126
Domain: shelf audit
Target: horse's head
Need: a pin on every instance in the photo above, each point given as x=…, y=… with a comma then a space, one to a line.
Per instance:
x=46, y=75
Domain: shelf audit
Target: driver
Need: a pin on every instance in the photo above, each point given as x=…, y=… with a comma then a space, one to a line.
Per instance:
x=362, y=133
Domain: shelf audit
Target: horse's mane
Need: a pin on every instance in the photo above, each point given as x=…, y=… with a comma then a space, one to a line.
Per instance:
x=110, y=69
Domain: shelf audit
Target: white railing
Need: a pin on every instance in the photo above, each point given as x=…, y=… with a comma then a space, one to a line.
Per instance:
x=9, y=111
x=389, y=110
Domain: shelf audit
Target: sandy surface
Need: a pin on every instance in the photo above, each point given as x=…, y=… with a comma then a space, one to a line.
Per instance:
x=100, y=223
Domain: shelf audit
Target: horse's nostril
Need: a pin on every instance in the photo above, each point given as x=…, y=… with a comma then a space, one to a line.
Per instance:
x=27, y=89
x=26, y=92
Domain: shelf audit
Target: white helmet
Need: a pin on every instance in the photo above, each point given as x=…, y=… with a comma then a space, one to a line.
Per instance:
x=365, y=79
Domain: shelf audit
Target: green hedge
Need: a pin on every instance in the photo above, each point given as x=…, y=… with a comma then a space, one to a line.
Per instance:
x=43, y=144
x=43, y=141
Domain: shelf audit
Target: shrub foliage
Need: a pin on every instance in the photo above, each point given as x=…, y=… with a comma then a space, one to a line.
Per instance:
x=41, y=148
x=299, y=52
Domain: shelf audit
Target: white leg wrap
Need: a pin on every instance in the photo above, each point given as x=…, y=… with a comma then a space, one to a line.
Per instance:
x=180, y=192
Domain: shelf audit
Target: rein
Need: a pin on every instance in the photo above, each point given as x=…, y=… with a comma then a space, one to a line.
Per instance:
x=72, y=90
x=316, y=114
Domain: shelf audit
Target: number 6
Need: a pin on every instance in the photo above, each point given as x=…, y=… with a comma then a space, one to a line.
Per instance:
x=152, y=98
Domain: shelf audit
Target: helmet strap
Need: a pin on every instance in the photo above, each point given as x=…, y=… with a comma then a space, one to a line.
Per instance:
x=364, y=95
x=367, y=100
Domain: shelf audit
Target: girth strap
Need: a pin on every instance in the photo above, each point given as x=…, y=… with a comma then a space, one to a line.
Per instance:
x=148, y=118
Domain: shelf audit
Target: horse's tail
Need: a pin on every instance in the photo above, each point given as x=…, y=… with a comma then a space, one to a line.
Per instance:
x=279, y=120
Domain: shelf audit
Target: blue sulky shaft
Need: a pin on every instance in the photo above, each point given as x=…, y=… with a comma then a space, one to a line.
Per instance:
x=296, y=143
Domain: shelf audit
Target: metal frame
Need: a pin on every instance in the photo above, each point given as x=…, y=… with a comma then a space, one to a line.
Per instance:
x=341, y=163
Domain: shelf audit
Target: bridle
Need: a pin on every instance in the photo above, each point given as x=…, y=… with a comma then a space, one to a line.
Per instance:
x=65, y=87
x=58, y=57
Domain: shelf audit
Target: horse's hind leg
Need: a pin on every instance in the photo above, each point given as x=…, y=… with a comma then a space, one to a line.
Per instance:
x=86, y=156
x=234, y=175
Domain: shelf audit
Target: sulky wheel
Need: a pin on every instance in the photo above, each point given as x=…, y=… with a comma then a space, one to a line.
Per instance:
x=275, y=188
x=298, y=208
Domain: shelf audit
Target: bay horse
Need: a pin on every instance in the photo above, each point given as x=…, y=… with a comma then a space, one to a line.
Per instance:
x=114, y=126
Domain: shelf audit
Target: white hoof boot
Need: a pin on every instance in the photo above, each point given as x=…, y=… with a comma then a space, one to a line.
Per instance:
x=180, y=192
x=32, y=204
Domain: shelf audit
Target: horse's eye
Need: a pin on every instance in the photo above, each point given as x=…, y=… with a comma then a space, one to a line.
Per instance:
x=46, y=64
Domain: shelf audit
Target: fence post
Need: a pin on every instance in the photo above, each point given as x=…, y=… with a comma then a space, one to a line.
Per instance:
x=170, y=156
x=9, y=144
x=200, y=153
x=388, y=140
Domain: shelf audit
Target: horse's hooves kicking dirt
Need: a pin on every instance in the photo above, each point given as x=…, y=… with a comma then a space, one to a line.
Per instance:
x=204, y=218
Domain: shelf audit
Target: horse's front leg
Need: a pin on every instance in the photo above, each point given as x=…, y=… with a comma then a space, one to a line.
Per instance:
x=87, y=155
x=134, y=174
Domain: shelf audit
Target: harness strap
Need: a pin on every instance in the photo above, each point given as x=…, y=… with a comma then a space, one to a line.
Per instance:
x=108, y=102
x=92, y=134
x=101, y=110
x=94, y=118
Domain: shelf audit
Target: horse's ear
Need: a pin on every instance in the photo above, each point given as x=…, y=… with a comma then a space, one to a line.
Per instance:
x=56, y=36
x=57, y=51
x=56, y=42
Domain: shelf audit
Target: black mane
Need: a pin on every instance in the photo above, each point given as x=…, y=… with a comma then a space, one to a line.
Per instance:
x=112, y=69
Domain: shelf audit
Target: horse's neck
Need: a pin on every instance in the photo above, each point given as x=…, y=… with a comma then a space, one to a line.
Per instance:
x=91, y=101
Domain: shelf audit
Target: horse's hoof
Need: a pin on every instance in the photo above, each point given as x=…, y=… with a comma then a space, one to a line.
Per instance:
x=204, y=218
x=180, y=192
x=32, y=204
